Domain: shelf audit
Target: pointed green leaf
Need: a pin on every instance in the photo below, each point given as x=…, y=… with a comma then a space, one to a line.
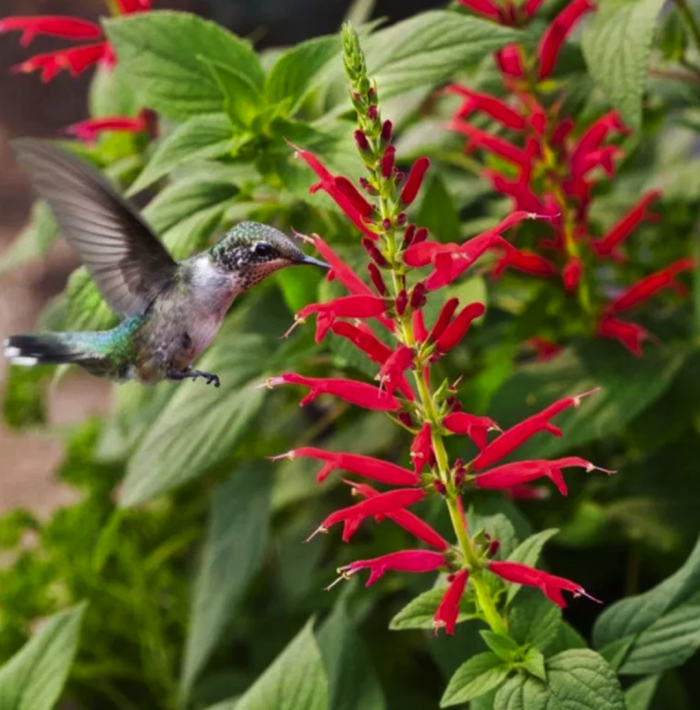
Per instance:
x=243, y=100
x=533, y=619
x=534, y=664
x=34, y=677
x=233, y=552
x=161, y=54
x=200, y=138
x=528, y=553
x=480, y=674
x=617, y=48
x=640, y=695
x=503, y=646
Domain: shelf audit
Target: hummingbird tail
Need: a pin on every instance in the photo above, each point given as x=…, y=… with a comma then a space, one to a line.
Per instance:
x=49, y=349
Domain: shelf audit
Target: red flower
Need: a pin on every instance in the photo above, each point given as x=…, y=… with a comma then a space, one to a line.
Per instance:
x=422, y=448
x=497, y=146
x=458, y=328
x=515, y=436
x=524, y=261
x=514, y=474
x=51, y=25
x=487, y=8
x=545, y=348
x=366, y=466
x=358, y=393
x=572, y=273
x=630, y=335
x=407, y=520
x=594, y=136
x=476, y=428
x=510, y=61
x=364, y=339
x=556, y=33
x=448, y=611
x=341, y=270
x=607, y=246
x=381, y=504
x=414, y=181
x=344, y=307
x=490, y=105
x=391, y=374
x=402, y=561
x=443, y=319
x=343, y=192
x=550, y=585
x=90, y=130
x=76, y=60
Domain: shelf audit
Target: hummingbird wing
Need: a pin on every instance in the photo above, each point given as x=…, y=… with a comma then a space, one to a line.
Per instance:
x=127, y=261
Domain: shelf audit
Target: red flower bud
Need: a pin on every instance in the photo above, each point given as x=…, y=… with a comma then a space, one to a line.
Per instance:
x=367, y=187
x=361, y=140
x=556, y=33
x=414, y=181
x=408, y=236
x=372, y=112
x=572, y=273
x=418, y=295
x=421, y=235
x=387, y=129
x=376, y=277
x=401, y=219
x=487, y=8
x=443, y=319
x=374, y=253
x=392, y=371
x=388, y=161
x=401, y=302
x=460, y=325
x=386, y=224
x=448, y=612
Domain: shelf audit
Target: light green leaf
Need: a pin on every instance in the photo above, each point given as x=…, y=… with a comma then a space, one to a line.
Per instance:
x=640, y=695
x=293, y=73
x=352, y=679
x=533, y=663
x=233, y=553
x=34, y=677
x=480, y=674
x=200, y=138
x=295, y=681
x=243, y=100
x=534, y=619
x=576, y=680
x=86, y=308
x=34, y=240
x=663, y=623
x=617, y=47
x=161, y=54
x=427, y=49
x=419, y=612
x=528, y=553
x=503, y=646
x=111, y=94
x=200, y=425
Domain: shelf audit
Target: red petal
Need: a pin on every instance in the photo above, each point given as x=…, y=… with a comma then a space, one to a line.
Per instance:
x=448, y=611
x=52, y=25
x=403, y=561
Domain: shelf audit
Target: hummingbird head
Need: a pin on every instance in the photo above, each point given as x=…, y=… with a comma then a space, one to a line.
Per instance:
x=253, y=251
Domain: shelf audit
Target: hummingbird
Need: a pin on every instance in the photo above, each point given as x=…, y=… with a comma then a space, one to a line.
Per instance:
x=170, y=310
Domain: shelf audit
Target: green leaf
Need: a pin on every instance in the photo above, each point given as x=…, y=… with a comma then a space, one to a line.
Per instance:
x=576, y=680
x=617, y=47
x=86, y=308
x=200, y=425
x=533, y=663
x=528, y=553
x=503, y=646
x=23, y=397
x=663, y=624
x=352, y=679
x=161, y=53
x=438, y=211
x=243, y=100
x=34, y=240
x=293, y=73
x=534, y=619
x=200, y=138
x=233, y=552
x=480, y=674
x=111, y=94
x=625, y=392
x=429, y=48
x=419, y=612
x=34, y=677
x=640, y=695
x=295, y=681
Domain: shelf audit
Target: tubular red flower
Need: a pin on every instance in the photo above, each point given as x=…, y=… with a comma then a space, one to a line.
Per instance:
x=531, y=7
x=365, y=466
x=477, y=428
x=128, y=7
x=365, y=340
x=630, y=335
x=592, y=139
x=414, y=181
x=407, y=520
x=487, y=8
x=52, y=25
x=448, y=611
x=526, y=492
x=572, y=273
x=510, y=61
x=359, y=204
x=381, y=504
x=609, y=243
x=456, y=330
x=88, y=131
x=76, y=60
x=444, y=318
x=524, y=261
x=515, y=436
x=556, y=33
x=422, y=448
x=391, y=374
x=344, y=307
x=647, y=287
x=419, y=328
x=490, y=105
x=545, y=348
x=514, y=474
x=498, y=146
x=359, y=393
x=341, y=270
x=403, y=561
x=550, y=585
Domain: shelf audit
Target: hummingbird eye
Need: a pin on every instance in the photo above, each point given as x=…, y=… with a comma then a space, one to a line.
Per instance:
x=263, y=249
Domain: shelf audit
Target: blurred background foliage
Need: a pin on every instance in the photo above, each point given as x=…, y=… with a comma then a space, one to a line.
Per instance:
x=184, y=541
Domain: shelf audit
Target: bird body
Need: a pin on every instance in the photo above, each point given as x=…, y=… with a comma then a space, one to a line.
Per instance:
x=171, y=310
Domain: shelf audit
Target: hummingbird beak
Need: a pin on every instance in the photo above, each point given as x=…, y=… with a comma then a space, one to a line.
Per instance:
x=314, y=262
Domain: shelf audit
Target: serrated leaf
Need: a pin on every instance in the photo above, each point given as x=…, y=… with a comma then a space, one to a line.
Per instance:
x=617, y=47
x=663, y=624
x=295, y=681
x=200, y=138
x=533, y=663
x=480, y=674
x=34, y=677
x=233, y=552
x=528, y=553
x=294, y=71
x=576, y=680
x=534, y=619
x=161, y=54
x=243, y=100
x=200, y=425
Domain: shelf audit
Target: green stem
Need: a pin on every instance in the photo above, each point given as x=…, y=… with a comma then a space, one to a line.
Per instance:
x=687, y=14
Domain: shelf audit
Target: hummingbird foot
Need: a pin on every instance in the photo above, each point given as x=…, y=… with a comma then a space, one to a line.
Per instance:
x=194, y=374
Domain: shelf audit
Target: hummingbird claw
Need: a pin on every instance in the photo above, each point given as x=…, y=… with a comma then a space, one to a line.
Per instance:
x=194, y=374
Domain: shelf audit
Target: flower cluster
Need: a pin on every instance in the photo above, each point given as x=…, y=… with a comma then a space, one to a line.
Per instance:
x=394, y=303
x=551, y=167
x=93, y=50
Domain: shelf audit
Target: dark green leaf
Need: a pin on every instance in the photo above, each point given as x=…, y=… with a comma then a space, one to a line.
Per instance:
x=438, y=211
x=534, y=619
x=479, y=675
x=503, y=646
x=640, y=695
